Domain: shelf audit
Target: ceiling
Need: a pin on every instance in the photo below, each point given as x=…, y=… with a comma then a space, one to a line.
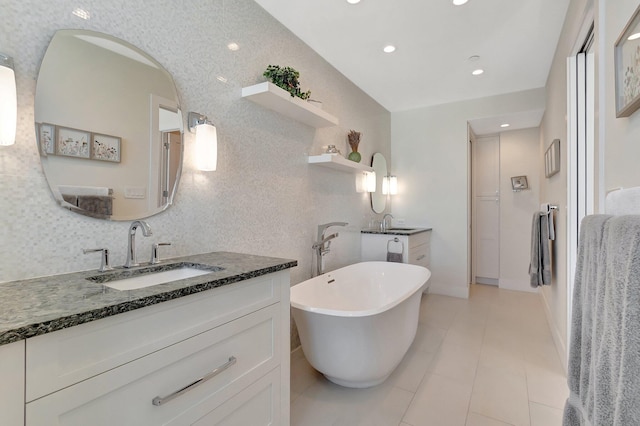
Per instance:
x=514, y=39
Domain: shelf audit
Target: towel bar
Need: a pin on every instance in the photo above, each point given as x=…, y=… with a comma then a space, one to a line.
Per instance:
x=546, y=208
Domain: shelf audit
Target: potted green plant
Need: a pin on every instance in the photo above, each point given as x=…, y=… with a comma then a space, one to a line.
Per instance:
x=287, y=79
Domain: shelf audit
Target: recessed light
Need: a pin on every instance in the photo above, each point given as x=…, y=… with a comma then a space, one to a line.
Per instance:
x=473, y=58
x=477, y=72
x=505, y=125
x=233, y=46
x=459, y=2
x=353, y=1
x=633, y=36
x=81, y=13
x=389, y=48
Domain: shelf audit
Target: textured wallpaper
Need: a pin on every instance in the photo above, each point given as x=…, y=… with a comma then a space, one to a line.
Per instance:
x=263, y=199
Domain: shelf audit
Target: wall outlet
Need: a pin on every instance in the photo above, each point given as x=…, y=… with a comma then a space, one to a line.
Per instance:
x=138, y=192
x=400, y=221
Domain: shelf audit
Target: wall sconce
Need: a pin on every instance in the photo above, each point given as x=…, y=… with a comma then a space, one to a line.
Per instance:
x=206, y=141
x=390, y=185
x=366, y=182
x=8, y=101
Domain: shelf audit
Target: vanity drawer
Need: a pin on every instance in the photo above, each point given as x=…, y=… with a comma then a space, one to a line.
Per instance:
x=419, y=255
x=419, y=239
x=62, y=358
x=124, y=395
x=257, y=405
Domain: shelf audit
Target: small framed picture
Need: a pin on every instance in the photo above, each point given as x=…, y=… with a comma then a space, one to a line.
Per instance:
x=627, y=67
x=552, y=159
x=518, y=183
x=72, y=142
x=105, y=147
x=46, y=138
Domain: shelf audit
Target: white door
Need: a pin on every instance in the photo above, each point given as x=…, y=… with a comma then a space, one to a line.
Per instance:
x=486, y=190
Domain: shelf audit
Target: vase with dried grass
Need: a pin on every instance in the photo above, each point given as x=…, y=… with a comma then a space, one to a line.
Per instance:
x=354, y=141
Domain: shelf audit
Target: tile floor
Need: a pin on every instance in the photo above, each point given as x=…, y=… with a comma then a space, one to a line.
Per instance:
x=486, y=361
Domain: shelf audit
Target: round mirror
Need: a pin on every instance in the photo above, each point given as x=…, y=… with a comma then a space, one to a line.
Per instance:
x=379, y=164
x=109, y=127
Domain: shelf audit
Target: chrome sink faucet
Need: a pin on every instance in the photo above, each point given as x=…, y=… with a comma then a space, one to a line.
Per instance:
x=321, y=246
x=131, y=248
x=383, y=225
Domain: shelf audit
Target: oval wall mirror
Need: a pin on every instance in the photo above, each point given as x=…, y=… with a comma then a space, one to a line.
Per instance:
x=109, y=127
x=379, y=164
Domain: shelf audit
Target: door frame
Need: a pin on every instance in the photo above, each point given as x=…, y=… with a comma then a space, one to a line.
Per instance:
x=580, y=160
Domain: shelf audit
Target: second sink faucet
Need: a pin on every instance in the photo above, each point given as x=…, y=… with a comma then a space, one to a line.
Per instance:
x=131, y=246
x=384, y=221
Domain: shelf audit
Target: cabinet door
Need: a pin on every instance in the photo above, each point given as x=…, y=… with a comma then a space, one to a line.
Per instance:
x=124, y=396
x=486, y=170
x=419, y=255
x=487, y=238
x=12, y=384
x=374, y=246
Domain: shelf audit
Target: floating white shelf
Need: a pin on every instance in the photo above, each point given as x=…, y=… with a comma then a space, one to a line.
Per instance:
x=338, y=162
x=271, y=96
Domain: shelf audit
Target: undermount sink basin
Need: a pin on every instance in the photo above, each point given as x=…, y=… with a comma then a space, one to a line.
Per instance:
x=150, y=276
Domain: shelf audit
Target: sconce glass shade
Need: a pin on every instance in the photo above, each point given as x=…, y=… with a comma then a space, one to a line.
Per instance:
x=8, y=101
x=390, y=185
x=393, y=185
x=206, y=147
x=371, y=182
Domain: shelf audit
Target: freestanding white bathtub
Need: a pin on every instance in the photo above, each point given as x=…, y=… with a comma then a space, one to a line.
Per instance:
x=356, y=323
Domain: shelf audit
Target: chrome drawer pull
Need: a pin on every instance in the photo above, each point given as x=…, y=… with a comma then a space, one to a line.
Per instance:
x=159, y=400
x=421, y=257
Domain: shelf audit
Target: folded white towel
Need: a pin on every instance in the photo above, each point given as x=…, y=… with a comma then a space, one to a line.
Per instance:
x=623, y=201
x=83, y=190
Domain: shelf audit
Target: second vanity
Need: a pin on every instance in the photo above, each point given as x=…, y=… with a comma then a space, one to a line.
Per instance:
x=413, y=243
x=204, y=350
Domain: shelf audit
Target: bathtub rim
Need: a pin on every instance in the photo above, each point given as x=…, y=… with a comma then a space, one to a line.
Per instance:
x=366, y=312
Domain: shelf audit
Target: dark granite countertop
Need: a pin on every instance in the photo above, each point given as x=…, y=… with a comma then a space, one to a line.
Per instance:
x=396, y=231
x=41, y=305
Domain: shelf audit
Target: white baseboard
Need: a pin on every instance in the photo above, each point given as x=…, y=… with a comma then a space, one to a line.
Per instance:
x=449, y=290
x=517, y=285
x=561, y=345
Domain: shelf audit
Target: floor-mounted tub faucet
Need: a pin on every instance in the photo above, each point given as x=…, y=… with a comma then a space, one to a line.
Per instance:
x=131, y=246
x=321, y=246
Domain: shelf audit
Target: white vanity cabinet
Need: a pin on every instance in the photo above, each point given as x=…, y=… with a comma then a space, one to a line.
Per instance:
x=12, y=384
x=136, y=368
x=417, y=247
